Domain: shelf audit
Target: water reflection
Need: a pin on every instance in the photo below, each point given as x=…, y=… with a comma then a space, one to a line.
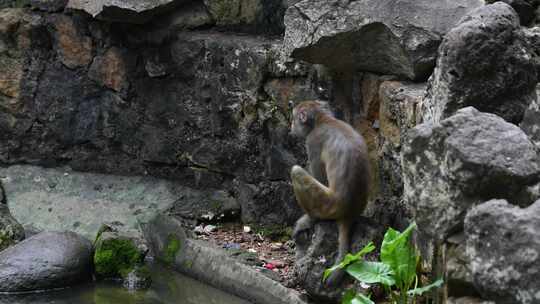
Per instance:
x=168, y=287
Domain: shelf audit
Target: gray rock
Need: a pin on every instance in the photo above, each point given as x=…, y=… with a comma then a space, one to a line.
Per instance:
x=397, y=114
x=468, y=300
x=190, y=16
x=458, y=268
x=45, y=261
x=11, y=231
x=385, y=37
x=531, y=120
x=256, y=209
x=524, y=8
x=50, y=6
x=56, y=199
x=504, y=247
x=462, y=161
x=254, y=16
x=532, y=36
x=140, y=11
x=206, y=205
x=483, y=62
x=316, y=250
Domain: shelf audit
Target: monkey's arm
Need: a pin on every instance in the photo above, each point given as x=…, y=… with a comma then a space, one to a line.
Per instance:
x=316, y=199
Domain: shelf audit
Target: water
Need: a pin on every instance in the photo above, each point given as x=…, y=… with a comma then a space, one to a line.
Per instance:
x=168, y=287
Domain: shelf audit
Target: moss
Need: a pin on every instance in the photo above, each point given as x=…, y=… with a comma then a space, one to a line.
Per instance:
x=116, y=258
x=173, y=246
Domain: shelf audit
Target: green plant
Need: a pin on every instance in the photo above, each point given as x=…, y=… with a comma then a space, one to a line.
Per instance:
x=396, y=271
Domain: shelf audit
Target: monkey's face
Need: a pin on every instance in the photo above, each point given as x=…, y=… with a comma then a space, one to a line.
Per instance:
x=299, y=123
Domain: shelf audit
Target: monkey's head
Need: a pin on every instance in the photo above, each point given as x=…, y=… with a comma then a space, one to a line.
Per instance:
x=304, y=116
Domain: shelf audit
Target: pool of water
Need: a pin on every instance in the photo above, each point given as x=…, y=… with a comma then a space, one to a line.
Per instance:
x=168, y=287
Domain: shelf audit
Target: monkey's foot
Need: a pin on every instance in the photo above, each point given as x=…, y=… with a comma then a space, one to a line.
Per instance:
x=304, y=223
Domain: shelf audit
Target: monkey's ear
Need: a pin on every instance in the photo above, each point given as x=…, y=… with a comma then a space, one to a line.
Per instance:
x=302, y=116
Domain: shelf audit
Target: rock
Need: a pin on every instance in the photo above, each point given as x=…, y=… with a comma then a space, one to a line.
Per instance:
x=119, y=254
x=50, y=6
x=140, y=11
x=56, y=199
x=532, y=36
x=46, y=261
x=190, y=16
x=13, y=3
x=383, y=37
x=468, y=300
x=11, y=231
x=316, y=250
x=524, y=8
x=208, y=205
x=531, y=120
x=399, y=103
x=74, y=47
x=256, y=16
x=256, y=209
x=483, y=62
x=464, y=160
x=111, y=70
x=459, y=276
x=504, y=248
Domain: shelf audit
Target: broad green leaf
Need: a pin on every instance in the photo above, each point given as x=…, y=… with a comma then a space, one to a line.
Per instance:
x=371, y=272
x=419, y=291
x=351, y=297
x=349, y=259
x=397, y=251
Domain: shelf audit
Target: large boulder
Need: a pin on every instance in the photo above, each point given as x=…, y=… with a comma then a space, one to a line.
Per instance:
x=504, y=247
x=46, y=261
x=471, y=157
x=316, y=250
x=138, y=11
x=484, y=62
x=386, y=37
x=11, y=231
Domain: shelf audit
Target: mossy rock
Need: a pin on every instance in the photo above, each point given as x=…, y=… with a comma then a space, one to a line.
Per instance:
x=173, y=247
x=116, y=255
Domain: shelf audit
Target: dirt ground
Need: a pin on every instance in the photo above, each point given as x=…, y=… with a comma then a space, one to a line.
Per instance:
x=275, y=258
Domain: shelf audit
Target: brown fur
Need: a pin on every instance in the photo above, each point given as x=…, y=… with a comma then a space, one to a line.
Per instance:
x=336, y=187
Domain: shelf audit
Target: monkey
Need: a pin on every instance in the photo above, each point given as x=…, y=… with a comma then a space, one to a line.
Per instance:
x=336, y=186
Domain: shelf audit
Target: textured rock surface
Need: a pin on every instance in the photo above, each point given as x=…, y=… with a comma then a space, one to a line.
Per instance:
x=386, y=37
x=531, y=120
x=483, y=62
x=54, y=199
x=49, y=5
x=399, y=104
x=45, y=261
x=462, y=161
x=524, y=8
x=138, y=11
x=203, y=108
x=504, y=247
x=11, y=231
x=316, y=251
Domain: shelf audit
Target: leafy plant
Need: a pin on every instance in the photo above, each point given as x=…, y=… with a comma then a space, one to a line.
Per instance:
x=396, y=271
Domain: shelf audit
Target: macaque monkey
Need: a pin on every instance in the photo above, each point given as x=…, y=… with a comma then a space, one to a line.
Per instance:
x=336, y=186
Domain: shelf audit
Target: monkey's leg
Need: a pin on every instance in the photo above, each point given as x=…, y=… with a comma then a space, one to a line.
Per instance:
x=344, y=229
x=317, y=200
